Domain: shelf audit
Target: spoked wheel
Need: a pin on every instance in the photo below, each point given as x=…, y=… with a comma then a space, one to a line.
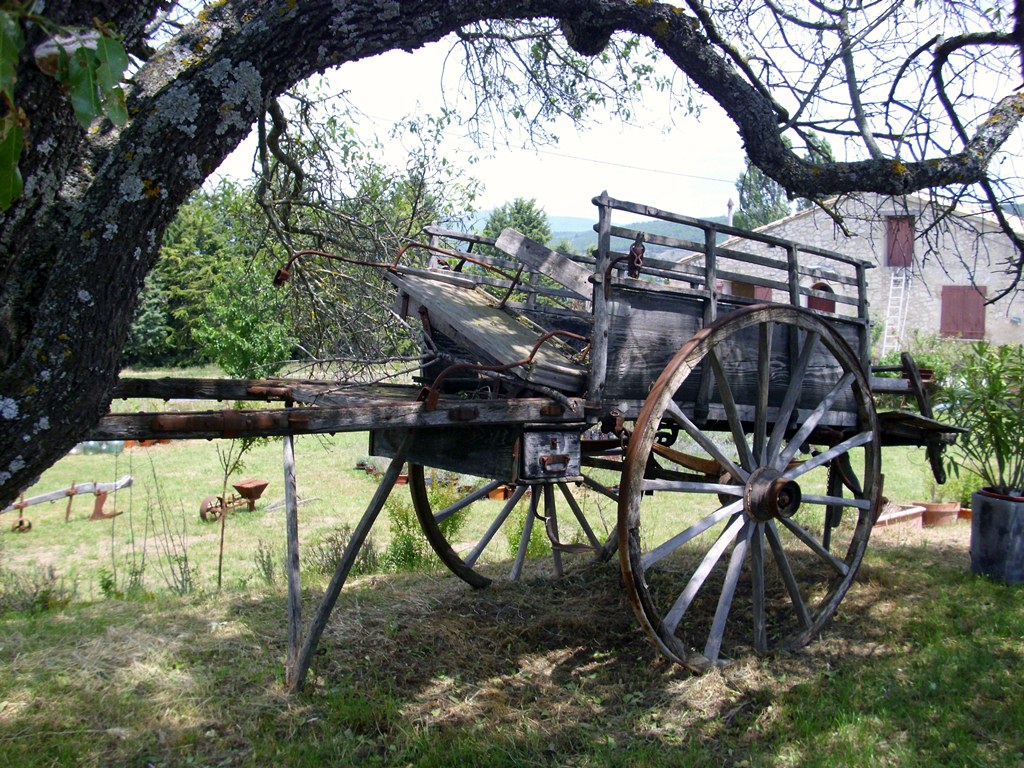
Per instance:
x=750, y=538
x=211, y=509
x=552, y=519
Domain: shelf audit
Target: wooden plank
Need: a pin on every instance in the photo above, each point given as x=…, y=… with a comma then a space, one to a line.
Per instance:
x=599, y=339
x=472, y=320
x=557, y=266
x=73, y=490
x=450, y=234
x=350, y=417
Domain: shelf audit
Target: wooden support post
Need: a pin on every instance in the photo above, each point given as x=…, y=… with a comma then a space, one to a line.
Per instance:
x=602, y=318
x=794, y=299
x=297, y=676
x=291, y=506
x=701, y=407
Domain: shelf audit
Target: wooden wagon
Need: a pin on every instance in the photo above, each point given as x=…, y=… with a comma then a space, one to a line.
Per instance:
x=713, y=385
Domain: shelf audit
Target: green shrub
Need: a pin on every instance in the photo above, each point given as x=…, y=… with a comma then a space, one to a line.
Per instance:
x=408, y=549
x=985, y=395
x=323, y=556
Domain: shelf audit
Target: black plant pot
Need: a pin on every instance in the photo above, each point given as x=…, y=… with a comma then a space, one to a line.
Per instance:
x=997, y=535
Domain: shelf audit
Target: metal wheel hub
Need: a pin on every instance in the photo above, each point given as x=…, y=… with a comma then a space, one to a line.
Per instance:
x=767, y=495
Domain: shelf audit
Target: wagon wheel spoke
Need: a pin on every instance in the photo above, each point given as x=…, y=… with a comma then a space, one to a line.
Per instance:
x=739, y=437
x=705, y=442
x=788, y=578
x=524, y=539
x=749, y=571
x=812, y=421
x=834, y=452
x=443, y=514
x=789, y=402
x=495, y=526
x=479, y=538
x=764, y=372
x=757, y=588
x=580, y=517
x=732, y=576
x=826, y=557
x=700, y=575
x=684, y=537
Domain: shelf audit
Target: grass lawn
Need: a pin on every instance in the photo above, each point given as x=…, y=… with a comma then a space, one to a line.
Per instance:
x=109, y=664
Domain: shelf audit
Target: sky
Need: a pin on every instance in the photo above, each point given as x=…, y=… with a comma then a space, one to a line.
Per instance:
x=689, y=169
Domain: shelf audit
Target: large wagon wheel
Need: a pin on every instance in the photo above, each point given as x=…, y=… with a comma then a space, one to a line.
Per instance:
x=799, y=469
x=555, y=506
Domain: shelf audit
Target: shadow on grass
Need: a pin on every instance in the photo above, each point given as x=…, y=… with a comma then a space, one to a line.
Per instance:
x=921, y=667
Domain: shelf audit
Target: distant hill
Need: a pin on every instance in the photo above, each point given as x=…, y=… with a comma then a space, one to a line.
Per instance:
x=582, y=241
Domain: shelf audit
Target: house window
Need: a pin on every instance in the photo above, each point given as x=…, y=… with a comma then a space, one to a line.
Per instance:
x=963, y=311
x=821, y=304
x=899, y=251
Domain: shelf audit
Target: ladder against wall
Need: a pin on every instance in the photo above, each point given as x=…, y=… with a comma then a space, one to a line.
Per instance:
x=896, y=310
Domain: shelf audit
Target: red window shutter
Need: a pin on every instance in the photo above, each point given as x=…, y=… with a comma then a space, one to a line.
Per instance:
x=963, y=311
x=819, y=304
x=899, y=251
x=762, y=293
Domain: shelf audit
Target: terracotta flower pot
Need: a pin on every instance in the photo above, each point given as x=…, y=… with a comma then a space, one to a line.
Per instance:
x=997, y=535
x=940, y=513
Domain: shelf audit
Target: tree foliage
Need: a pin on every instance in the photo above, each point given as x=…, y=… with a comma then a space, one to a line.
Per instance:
x=762, y=200
x=522, y=215
x=906, y=108
x=329, y=196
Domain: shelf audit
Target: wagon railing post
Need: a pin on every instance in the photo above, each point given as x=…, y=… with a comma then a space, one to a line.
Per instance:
x=793, y=263
x=700, y=407
x=602, y=319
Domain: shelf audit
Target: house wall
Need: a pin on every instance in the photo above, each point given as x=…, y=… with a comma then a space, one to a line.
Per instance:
x=944, y=255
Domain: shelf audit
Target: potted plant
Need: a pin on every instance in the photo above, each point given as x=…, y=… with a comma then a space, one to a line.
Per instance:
x=985, y=395
x=941, y=508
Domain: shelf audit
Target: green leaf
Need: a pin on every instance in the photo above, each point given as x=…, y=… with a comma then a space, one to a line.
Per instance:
x=114, y=106
x=82, y=81
x=113, y=61
x=10, y=152
x=11, y=43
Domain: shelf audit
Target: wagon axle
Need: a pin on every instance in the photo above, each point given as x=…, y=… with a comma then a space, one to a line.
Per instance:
x=769, y=496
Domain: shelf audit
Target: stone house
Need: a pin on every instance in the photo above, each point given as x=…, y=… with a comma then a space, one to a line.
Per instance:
x=930, y=278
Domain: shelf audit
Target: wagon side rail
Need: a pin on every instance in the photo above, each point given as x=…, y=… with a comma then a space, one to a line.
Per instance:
x=504, y=276
x=721, y=269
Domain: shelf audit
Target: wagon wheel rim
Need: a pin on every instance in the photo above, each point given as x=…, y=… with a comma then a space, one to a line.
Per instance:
x=544, y=511
x=211, y=509
x=757, y=550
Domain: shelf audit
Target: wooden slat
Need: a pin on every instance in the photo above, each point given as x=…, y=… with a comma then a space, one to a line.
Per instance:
x=472, y=319
x=651, y=211
x=557, y=266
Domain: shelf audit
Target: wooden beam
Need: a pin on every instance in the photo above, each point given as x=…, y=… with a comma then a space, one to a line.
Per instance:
x=346, y=416
x=291, y=505
x=553, y=264
x=297, y=675
x=73, y=490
